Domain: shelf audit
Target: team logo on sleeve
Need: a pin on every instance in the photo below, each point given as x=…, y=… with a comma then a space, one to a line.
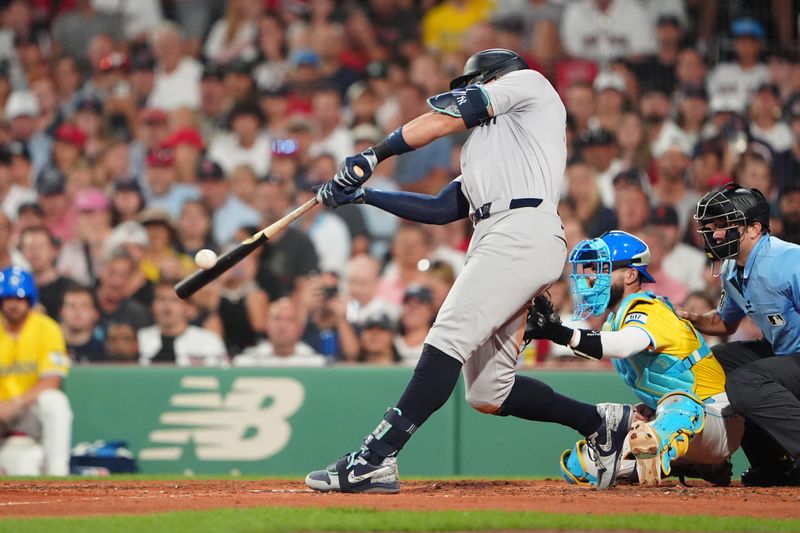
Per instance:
x=639, y=318
x=776, y=320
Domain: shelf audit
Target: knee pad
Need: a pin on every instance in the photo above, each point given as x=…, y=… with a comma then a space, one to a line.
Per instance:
x=53, y=402
x=577, y=467
x=679, y=416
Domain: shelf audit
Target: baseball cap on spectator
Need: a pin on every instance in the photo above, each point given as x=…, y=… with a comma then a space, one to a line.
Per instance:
x=726, y=103
x=608, y=79
x=154, y=115
x=379, y=320
x=113, y=61
x=285, y=148
x=209, y=170
x=50, y=182
x=188, y=136
x=124, y=183
x=367, y=132
x=89, y=102
x=91, y=200
x=305, y=58
x=377, y=69
x=161, y=157
x=747, y=27
x=718, y=180
x=418, y=292
x=708, y=146
x=597, y=137
x=666, y=143
x=668, y=19
x=212, y=71
x=21, y=104
x=153, y=216
x=664, y=215
x=631, y=176
x=128, y=232
x=70, y=134
x=654, y=85
x=238, y=66
x=18, y=149
x=299, y=124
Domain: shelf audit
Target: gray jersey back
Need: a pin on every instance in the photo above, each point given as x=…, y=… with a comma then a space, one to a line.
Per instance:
x=522, y=151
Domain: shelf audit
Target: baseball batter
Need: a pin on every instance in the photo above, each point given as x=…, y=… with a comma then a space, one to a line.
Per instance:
x=512, y=167
x=685, y=419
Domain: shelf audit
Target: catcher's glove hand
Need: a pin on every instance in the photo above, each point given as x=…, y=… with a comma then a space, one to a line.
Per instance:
x=544, y=323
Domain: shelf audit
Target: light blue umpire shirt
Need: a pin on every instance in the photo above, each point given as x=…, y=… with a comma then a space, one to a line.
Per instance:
x=768, y=291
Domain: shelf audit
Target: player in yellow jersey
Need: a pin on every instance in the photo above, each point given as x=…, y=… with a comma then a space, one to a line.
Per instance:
x=33, y=363
x=685, y=417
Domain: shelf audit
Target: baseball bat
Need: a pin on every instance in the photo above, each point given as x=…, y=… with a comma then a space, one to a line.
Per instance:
x=200, y=278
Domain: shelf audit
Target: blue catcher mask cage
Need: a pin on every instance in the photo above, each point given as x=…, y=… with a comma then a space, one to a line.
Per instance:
x=593, y=261
x=590, y=281
x=18, y=283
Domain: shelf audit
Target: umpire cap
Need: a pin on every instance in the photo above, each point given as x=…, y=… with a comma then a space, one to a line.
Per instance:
x=488, y=65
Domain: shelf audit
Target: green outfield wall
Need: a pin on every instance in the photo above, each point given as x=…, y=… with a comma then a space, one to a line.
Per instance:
x=285, y=422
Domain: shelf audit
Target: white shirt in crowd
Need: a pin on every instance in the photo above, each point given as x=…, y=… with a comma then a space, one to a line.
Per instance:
x=226, y=150
x=331, y=240
x=242, y=46
x=194, y=347
x=409, y=355
x=687, y=265
x=623, y=30
x=263, y=354
x=729, y=80
x=179, y=88
x=605, y=182
x=339, y=144
x=779, y=137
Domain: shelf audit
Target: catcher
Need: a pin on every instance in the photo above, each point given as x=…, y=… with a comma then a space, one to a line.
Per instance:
x=685, y=420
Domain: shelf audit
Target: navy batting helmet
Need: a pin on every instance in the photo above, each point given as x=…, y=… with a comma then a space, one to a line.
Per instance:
x=731, y=206
x=488, y=65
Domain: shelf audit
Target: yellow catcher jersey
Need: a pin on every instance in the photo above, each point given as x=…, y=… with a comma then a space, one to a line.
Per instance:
x=37, y=351
x=673, y=341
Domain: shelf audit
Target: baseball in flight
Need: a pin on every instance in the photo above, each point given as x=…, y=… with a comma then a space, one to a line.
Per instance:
x=205, y=258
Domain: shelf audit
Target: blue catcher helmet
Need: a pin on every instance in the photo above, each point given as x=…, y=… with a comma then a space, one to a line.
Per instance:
x=593, y=260
x=18, y=283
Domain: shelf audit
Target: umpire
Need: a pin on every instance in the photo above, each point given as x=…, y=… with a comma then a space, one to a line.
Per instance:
x=760, y=277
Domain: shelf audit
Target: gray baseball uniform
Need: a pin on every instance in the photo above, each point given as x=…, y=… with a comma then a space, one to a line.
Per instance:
x=517, y=157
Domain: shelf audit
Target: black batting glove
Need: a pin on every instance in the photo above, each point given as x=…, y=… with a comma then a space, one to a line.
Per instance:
x=332, y=195
x=544, y=323
x=347, y=178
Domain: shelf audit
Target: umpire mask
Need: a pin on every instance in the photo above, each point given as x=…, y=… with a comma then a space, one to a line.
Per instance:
x=730, y=208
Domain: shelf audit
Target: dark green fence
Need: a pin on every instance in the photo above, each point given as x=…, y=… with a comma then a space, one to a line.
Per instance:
x=285, y=422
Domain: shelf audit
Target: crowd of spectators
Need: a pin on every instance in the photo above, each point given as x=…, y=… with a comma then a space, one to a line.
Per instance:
x=133, y=134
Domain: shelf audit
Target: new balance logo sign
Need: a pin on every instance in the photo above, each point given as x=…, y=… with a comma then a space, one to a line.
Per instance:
x=462, y=99
x=249, y=423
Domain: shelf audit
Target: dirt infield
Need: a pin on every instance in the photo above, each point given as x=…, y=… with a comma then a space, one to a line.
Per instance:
x=91, y=497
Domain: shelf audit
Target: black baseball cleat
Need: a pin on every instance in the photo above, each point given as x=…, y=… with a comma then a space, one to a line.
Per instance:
x=786, y=474
x=354, y=473
x=605, y=445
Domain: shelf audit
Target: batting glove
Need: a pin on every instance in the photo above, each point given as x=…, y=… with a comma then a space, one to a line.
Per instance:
x=332, y=195
x=544, y=323
x=347, y=177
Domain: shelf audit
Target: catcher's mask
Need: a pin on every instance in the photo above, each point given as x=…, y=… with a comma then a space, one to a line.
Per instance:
x=593, y=261
x=487, y=65
x=730, y=208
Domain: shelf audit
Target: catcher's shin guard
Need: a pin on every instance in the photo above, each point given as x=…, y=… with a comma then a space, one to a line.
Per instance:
x=576, y=466
x=654, y=445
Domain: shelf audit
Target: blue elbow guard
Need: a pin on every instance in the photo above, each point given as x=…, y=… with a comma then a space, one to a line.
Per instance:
x=470, y=104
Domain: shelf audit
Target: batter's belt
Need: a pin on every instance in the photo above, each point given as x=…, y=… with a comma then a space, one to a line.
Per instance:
x=498, y=206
